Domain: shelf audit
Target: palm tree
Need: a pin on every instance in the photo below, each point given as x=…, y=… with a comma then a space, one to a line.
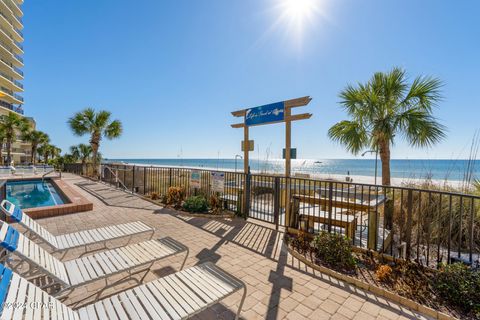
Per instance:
x=47, y=150
x=82, y=152
x=35, y=138
x=387, y=107
x=98, y=125
x=2, y=140
x=12, y=124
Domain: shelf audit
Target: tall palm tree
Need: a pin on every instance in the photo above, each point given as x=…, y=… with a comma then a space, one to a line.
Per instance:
x=47, y=150
x=13, y=124
x=98, y=125
x=82, y=152
x=2, y=141
x=387, y=107
x=36, y=138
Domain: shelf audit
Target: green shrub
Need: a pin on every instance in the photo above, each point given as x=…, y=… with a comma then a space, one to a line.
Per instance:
x=196, y=204
x=460, y=286
x=334, y=250
x=175, y=196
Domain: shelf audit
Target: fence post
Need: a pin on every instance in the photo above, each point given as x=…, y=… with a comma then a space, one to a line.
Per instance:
x=170, y=177
x=246, y=206
x=372, y=230
x=408, y=236
x=133, y=179
x=144, y=180
x=330, y=206
x=276, y=202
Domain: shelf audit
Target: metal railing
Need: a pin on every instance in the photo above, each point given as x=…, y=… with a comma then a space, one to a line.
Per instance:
x=17, y=70
x=18, y=97
x=426, y=225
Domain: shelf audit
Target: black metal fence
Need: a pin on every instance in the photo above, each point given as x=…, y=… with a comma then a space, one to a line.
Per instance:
x=428, y=226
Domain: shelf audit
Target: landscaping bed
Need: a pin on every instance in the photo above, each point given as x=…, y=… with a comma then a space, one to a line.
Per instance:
x=453, y=289
x=199, y=205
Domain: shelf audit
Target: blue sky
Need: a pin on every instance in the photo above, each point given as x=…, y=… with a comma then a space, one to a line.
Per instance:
x=172, y=71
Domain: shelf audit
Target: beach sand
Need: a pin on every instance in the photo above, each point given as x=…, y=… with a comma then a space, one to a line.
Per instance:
x=394, y=181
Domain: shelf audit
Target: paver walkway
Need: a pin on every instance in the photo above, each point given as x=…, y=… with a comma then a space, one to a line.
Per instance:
x=278, y=286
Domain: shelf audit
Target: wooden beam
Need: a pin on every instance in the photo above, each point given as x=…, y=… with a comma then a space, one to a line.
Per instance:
x=296, y=117
x=299, y=102
x=239, y=113
x=292, y=103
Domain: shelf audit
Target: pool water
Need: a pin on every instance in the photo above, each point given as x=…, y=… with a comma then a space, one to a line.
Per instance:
x=33, y=194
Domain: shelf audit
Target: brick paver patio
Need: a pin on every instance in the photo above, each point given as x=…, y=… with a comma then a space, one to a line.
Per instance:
x=278, y=286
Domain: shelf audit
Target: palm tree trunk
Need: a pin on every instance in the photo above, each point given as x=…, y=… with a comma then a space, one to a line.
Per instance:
x=32, y=156
x=385, y=157
x=9, y=152
x=84, y=167
x=95, y=143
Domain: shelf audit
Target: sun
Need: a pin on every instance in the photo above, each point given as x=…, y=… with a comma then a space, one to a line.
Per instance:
x=296, y=17
x=299, y=9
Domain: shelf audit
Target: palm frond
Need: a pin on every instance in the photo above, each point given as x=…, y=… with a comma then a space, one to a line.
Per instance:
x=113, y=130
x=420, y=128
x=351, y=135
x=424, y=94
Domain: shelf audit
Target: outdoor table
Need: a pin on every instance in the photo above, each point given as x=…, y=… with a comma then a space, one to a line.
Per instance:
x=343, y=219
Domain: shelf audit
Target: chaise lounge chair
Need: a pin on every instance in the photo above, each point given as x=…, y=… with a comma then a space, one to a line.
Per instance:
x=76, y=239
x=77, y=272
x=177, y=296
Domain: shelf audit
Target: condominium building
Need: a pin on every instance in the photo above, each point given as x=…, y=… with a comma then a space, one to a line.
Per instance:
x=11, y=75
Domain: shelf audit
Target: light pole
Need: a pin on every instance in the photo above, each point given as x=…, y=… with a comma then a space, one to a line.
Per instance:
x=236, y=157
x=376, y=161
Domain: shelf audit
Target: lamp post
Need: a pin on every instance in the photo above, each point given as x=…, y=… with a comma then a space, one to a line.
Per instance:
x=376, y=161
x=236, y=157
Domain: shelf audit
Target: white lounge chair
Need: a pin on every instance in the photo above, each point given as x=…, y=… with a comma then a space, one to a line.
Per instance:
x=25, y=170
x=78, y=272
x=177, y=296
x=76, y=239
x=5, y=171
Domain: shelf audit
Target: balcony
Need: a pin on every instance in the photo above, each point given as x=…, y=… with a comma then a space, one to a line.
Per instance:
x=15, y=8
x=6, y=105
x=10, y=83
x=17, y=70
x=9, y=39
x=10, y=15
x=8, y=25
x=9, y=96
x=5, y=48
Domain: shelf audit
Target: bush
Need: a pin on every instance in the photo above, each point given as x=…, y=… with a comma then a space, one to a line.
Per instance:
x=175, y=196
x=460, y=286
x=301, y=243
x=196, y=204
x=334, y=250
x=216, y=204
x=155, y=196
x=384, y=273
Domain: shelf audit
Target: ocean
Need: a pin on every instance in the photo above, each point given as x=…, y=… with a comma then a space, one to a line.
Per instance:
x=452, y=170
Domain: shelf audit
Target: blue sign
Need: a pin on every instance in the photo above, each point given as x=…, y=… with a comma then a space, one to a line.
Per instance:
x=269, y=113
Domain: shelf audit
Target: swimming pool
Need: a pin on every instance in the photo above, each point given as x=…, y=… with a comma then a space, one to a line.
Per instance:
x=33, y=194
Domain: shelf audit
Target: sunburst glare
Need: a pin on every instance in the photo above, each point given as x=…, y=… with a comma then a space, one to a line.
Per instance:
x=297, y=16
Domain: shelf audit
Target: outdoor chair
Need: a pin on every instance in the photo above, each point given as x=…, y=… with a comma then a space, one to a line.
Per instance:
x=5, y=171
x=177, y=296
x=68, y=241
x=77, y=272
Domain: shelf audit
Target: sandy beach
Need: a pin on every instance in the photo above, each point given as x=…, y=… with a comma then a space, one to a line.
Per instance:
x=394, y=181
